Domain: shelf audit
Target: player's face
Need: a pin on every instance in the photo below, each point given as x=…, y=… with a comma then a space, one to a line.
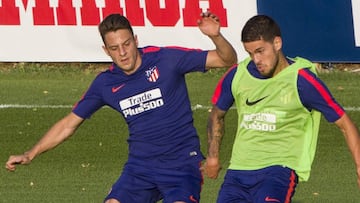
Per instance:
x=265, y=55
x=121, y=46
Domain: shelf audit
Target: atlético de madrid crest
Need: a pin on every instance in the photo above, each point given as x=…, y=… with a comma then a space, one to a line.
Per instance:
x=152, y=74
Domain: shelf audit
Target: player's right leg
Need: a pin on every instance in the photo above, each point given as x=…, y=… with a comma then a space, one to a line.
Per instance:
x=235, y=188
x=277, y=185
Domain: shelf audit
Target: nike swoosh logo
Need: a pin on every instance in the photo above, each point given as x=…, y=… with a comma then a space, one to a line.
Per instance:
x=193, y=199
x=115, y=89
x=250, y=103
x=268, y=199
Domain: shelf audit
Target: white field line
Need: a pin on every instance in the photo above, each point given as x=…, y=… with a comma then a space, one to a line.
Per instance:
x=24, y=106
x=195, y=107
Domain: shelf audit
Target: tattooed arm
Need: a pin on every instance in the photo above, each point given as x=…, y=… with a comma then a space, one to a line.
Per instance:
x=215, y=131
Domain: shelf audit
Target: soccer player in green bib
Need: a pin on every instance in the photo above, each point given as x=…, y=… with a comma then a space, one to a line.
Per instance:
x=279, y=101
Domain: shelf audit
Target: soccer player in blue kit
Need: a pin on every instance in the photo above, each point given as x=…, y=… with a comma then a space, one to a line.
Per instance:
x=147, y=86
x=278, y=102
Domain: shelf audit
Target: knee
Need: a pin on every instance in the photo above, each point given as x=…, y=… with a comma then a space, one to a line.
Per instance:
x=112, y=201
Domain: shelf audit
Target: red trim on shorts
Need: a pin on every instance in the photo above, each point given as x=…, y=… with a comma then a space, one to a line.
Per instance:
x=292, y=185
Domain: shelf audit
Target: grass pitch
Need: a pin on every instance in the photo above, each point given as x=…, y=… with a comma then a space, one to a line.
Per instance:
x=84, y=167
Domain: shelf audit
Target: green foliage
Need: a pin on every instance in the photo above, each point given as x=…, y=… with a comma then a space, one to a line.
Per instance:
x=85, y=166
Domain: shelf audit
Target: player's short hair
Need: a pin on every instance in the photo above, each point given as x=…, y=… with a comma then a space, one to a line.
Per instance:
x=260, y=27
x=112, y=23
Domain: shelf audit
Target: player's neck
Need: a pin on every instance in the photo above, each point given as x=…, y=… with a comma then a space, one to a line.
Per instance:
x=281, y=65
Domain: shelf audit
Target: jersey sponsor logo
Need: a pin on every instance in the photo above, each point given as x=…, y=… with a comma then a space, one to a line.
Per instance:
x=259, y=121
x=115, y=89
x=140, y=103
x=251, y=103
x=152, y=74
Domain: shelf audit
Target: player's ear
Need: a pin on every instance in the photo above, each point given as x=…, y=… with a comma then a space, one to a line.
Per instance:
x=277, y=43
x=136, y=40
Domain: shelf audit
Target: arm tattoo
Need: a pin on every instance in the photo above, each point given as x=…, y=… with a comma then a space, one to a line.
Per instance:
x=215, y=131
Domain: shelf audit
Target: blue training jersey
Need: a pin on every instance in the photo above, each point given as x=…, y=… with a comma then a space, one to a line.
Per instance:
x=155, y=104
x=313, y=92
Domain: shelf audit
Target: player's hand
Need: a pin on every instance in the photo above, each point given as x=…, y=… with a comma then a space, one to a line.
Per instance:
x=15, y=160
x=211, y=168
x=209, y=24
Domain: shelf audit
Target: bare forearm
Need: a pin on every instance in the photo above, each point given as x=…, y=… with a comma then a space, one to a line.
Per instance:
x=215, y=133
x=352, y=137
x=56, y=135
x=59, y=132
x=214, y=141
x=224, y=50
x=224, y=55
x=353, y=141
x=50, y=140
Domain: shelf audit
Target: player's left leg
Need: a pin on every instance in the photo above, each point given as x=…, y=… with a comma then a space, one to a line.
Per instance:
x=277, y=185
x=181, y=185
x=112, y=201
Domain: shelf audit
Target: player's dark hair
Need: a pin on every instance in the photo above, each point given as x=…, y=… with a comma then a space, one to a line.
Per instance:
x=112, y=23
x=260, y=27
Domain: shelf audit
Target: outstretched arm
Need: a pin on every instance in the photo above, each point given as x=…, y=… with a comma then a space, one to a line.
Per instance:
x=352, y=137
x=56, y=135
x=215, y=131
x=224, y=55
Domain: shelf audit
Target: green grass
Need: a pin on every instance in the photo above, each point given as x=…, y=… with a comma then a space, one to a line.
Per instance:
x=85, y=166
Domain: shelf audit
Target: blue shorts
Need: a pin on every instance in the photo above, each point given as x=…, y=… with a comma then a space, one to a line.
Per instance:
x=139, y=184
x=274, y=184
